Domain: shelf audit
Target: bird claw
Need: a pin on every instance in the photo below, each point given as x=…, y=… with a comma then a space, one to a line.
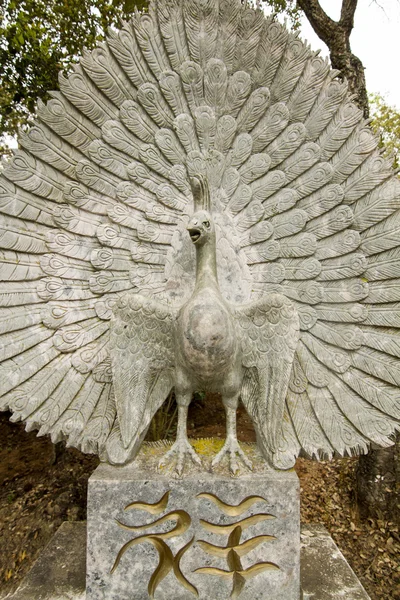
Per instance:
x=179, y=451
x=232, y=449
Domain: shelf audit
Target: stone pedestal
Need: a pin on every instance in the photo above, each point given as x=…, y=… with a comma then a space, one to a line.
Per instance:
x=152, y=535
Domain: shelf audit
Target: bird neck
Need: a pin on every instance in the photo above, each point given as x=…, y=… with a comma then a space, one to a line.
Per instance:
x=206, y=265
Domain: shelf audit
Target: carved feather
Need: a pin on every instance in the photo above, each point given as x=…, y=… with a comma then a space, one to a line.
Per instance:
x=229, y=15
x=15, y=266
x=378, y=393
x=301, y=268
x=343, y=267
x=25, y=365
x=29, y=397
x=48, y=415
x=40, y=141
x=70, y=244
x=109, y=158
x=372, y=172
x=382, y=236
x=308, y=86
x=101, y=421
x=385, y=265
x=254, y=108
x=125, y=48
x=14, y=318
x=72, y=422
x=307, y=427
x=34, y=176
x=339, y=129
x=65, y=120
x=327, y=103
x=201, y=23
x=119, y=137
x=331, y=222
x=290, y=67
x=83, y=95
x=344, y=438
x=148, y=36
x=170, y=18
x=79, y=195
x=106, y=73
x=16, y=202
x=353, y=152
x=95, y=209
x=270, y=126
x=384, y=340
x=376, y=206
x=286, y=143
x=378, y=364
x=248, y=36
x=14, y=343
x=58, y=314
x=271, y=48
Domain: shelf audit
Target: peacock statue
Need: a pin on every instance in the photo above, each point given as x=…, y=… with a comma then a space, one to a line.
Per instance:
x=202, y=207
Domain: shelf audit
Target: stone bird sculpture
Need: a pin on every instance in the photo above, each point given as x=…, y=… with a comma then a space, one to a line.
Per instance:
x=286, y=288
x=211, y=345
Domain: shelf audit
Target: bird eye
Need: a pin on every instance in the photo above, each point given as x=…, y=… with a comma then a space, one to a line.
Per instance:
x=206, y=224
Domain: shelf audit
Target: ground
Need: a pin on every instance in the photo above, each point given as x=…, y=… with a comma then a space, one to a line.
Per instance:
x=36, y=496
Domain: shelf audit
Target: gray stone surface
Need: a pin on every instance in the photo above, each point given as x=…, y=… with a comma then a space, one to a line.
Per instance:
x=257, y=496
x=325, y=573
x=207, y=344
x=59, y=572
x=304, y=209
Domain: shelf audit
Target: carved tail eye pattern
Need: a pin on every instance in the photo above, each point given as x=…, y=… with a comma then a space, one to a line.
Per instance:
x=94, y=203
x=167, y=561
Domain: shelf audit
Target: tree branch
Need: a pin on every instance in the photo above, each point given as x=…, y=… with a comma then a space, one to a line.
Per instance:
x=336, y=35
x=347, y=14
x=323, y=25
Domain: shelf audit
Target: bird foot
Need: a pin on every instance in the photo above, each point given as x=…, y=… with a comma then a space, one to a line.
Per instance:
x=178, y=453
x=232, y=449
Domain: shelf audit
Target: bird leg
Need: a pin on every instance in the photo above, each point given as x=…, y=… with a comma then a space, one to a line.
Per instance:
x=231, y=446
x=181, y=448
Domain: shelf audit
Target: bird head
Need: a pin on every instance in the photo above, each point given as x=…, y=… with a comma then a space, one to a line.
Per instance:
x=200, y=227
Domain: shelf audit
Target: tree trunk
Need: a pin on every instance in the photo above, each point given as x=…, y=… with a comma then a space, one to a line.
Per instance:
x=336, y=35
x=378, y=484
x=378, y=472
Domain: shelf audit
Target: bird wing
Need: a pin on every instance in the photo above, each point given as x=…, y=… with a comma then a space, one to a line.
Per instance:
x=269, y=333
x=142, y=358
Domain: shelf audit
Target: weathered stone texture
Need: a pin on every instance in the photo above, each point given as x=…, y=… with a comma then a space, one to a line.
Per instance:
x=111, y=489
x=305, y=213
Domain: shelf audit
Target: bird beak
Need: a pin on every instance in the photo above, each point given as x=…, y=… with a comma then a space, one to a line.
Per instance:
x=194, y=233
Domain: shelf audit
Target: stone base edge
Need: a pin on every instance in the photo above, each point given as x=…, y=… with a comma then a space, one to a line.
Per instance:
x=59, y=573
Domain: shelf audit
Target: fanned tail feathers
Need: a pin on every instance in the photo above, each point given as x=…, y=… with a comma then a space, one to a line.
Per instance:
x=95, y=203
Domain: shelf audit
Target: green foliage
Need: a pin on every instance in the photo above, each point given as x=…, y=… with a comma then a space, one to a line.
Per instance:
x=39, y=38
x=386, y=122
x=288, y=8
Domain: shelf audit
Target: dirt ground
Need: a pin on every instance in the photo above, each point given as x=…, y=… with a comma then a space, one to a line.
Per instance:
x=36, y=496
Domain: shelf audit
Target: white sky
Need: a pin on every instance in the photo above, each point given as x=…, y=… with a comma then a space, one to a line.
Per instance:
x=375, y=40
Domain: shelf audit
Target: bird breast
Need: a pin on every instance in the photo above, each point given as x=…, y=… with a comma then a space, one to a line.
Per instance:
x=206, y=336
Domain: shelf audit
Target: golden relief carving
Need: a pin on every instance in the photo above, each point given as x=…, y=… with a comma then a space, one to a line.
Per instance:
x=167, y=561
x=234, y=550
x=153, y=509
x=232, y=510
